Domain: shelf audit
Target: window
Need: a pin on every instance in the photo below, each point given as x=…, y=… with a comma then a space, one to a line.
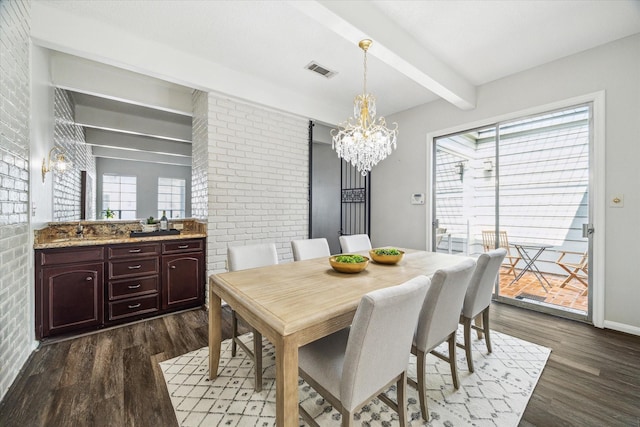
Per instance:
x=171, y=195
x=118, y=196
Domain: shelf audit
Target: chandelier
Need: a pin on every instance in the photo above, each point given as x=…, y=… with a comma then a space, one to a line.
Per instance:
x=367, y=141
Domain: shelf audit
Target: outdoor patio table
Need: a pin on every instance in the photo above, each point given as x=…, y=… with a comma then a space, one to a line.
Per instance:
x=525, y=250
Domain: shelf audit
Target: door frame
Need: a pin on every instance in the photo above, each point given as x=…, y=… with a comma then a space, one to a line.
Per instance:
x=597, y=195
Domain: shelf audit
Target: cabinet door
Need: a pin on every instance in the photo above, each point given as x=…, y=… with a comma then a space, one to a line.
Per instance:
x=72, y=298
x=182, y=280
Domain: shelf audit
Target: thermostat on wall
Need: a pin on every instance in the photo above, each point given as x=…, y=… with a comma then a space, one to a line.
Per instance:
x=417, y=199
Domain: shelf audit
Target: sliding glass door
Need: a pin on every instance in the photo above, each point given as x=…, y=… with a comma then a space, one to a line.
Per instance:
x=522, y=185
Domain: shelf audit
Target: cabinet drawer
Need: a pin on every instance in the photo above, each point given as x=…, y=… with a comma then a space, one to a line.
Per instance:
x=182, y=246
x=56, y=257
x=134, y=307
x=128, y=251
x=133, y=287
x=134, y=267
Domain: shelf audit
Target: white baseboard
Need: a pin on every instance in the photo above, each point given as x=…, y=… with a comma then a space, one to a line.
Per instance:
x=622, y=327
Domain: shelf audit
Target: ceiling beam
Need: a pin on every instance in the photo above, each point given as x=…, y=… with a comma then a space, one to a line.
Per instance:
x=392, y=45
x=103, y=138
x=93, y=78
x=140, y=156
x=124, y=121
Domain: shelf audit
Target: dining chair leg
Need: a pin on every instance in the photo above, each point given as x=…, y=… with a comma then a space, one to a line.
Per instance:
x=420, y=361
x=401, y=396
x=485, y=324
x=452, y=360
x=467, y=343
x=234, y=332
x=257, y=351
x=347, y=418
x=478, y=322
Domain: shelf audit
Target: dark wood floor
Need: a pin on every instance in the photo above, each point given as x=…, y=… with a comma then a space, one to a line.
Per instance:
x=113, y=379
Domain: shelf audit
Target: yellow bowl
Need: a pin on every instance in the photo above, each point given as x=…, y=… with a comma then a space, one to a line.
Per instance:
x=386, y=259
x=346, y=267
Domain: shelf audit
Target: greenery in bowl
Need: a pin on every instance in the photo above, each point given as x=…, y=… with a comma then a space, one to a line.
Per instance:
x=150, y=220
x=387, y=251
x=350, y=259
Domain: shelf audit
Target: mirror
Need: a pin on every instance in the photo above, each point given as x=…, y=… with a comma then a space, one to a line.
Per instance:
x=107, y=141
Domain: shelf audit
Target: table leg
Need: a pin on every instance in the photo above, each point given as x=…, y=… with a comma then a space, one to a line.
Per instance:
x=530, y=265
x=536, y=271
x=215, y=333
x=525, y=256
x=286, y=382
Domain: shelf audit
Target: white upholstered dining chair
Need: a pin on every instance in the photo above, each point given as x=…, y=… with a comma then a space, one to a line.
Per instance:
x=478, y=299
x=310, y=248
x=355, y=243
x=352, y=366
x=438, y=322
x=243, y=258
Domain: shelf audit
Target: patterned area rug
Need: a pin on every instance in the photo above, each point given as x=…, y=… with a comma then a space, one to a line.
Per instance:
x=496, y=394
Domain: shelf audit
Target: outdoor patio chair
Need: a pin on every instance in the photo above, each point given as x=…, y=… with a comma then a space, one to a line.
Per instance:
x=489, y=244
x=440, y=233
x=577, y=270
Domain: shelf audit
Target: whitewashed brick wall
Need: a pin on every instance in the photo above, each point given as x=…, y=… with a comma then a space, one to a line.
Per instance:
x=199, y=155
x=71, y=139
x=15, y=253
x=258, y=178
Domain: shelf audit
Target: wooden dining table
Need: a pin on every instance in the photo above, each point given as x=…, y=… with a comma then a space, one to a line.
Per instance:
x=295, y=303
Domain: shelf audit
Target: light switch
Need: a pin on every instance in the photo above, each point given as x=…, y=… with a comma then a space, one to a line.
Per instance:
x=616, y=201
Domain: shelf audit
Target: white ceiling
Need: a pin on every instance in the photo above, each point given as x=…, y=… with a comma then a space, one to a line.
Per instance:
x=422, y=51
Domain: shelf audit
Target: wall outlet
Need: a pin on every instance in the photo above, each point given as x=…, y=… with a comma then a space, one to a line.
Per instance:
x=178, y=226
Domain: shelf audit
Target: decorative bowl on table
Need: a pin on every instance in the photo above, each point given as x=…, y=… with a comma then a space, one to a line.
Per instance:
x=349, y=263
x=386, y=255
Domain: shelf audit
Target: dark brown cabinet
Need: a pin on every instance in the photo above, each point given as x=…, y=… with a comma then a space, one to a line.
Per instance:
x=133, y=278
x=69, y=291
x=84, y=288
x=182, y=277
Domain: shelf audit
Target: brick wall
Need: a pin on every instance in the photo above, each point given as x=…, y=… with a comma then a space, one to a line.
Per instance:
x=258, y=178
x=15, y=253
x=199, y=155
x=70, y=138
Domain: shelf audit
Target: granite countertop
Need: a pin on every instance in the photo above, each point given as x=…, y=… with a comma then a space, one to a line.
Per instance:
x=63, y=235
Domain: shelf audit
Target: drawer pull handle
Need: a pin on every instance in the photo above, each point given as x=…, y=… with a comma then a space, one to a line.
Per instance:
x=134, y=251
x=173, y=267
x=134, y=267
x=134, y=305
x=134, y=286
x=183, y=246
x=89, y=278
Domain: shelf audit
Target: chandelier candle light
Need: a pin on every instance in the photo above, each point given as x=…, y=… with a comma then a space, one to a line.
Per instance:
x=366, y=142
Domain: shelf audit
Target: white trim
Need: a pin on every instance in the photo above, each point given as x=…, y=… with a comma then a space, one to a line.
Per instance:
x=597, y=180
x=622, y=327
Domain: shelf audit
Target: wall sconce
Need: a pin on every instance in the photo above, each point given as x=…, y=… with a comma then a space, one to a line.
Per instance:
x=54, y=162
x=460, y=170
x=488, y=165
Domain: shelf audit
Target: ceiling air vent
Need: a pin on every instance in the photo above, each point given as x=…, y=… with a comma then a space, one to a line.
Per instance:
x=317, y=68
